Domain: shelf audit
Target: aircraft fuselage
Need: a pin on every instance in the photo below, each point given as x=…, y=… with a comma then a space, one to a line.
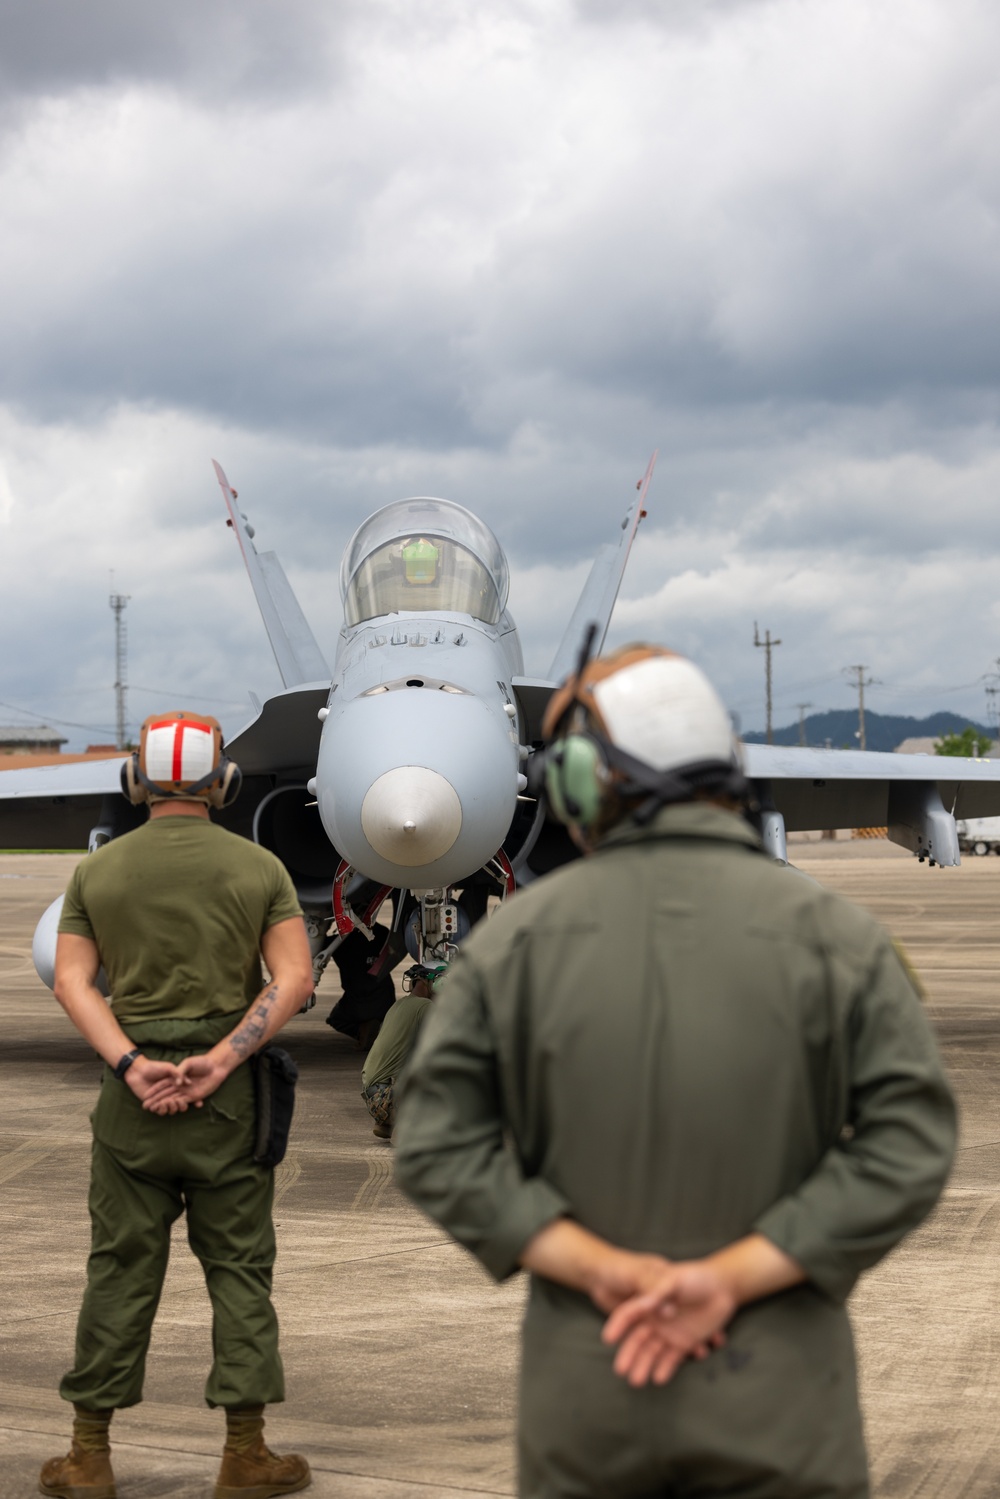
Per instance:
x=417, y=775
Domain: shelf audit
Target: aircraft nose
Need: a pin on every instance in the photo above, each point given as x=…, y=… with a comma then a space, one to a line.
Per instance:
x=411, y=815
x=416, y=787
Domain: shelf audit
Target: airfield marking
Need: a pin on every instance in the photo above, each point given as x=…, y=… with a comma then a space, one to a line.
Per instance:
x=22, y=963
x=286, y=1174
x=370, y=1192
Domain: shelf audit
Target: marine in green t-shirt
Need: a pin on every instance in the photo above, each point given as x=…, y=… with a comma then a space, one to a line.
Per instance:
x=171, y=947
x=180, y=914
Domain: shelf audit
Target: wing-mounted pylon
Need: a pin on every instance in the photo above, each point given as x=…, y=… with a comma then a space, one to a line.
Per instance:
x=295, y=649
x=916, y=797
x=600, y=591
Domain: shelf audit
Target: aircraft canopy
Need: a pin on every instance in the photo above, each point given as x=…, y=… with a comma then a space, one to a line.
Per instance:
x=423, y=554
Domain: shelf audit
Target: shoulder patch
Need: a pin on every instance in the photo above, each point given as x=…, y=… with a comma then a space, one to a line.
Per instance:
x=909, y=970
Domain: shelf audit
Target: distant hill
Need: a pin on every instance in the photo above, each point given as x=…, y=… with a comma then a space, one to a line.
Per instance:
x=883, y=731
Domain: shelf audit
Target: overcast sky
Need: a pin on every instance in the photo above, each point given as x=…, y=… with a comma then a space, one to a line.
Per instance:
x=499, y=250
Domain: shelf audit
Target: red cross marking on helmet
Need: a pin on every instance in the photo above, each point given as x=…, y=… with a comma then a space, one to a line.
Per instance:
x=179, y=726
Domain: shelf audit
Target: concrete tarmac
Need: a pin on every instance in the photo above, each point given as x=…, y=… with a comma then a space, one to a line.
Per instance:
x=400, y=1353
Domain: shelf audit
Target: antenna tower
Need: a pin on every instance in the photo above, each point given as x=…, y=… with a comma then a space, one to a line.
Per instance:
x=118, y=602
x=768, y=645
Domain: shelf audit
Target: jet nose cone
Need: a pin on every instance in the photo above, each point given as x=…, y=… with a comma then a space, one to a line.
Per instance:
x=411, y=815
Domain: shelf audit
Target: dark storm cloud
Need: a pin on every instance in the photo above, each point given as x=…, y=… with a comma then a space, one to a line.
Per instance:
x=249, y=47
x=292, y=266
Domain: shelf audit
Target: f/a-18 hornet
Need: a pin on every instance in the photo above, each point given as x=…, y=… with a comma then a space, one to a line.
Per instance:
x=401, y=772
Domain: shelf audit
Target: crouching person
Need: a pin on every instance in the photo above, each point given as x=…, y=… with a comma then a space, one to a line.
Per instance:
x=392, y=1047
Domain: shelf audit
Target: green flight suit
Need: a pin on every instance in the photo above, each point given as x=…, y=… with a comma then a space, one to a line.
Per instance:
x=677, y=1042
x=177, y=909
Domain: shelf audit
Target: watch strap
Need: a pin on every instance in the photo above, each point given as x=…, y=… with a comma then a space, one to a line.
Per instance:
x=126, y=1062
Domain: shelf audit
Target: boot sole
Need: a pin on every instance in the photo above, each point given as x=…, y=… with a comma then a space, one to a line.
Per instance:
x=260, y=1490
x=78, y=1491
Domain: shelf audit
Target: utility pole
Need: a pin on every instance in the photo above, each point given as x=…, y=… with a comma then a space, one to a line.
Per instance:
x=768, y=645
x=861, y=683
x=118, y=602
x=992, y=708
x=802, y=722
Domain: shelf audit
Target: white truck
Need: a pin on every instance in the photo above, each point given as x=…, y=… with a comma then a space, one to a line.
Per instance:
x=979, y=835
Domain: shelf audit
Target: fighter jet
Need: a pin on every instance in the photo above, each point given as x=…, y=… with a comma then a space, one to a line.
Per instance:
x=405, y=769
x=401, y=771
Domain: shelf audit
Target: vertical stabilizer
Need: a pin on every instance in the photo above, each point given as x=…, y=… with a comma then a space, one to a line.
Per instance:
x=295, y=649
x=597, y=600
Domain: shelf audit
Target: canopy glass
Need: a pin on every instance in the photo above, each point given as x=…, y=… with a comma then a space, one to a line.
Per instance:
x=424, y=554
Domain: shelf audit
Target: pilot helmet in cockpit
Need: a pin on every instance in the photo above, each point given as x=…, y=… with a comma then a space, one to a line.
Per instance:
x=420, y=562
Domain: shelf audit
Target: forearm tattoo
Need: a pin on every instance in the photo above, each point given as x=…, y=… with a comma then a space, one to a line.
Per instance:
x=250, y=1032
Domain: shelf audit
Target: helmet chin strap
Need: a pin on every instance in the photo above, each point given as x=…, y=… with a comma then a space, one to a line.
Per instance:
x=664, y=788
x=190, y=793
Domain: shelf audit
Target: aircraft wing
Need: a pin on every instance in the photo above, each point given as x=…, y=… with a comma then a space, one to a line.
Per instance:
x=597, y=600
x=55, y=806
x=815, y=788
x=283, y=737
x=295, y=649
x=915, y=797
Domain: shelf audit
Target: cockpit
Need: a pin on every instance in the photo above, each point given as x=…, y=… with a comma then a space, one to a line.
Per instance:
x=424, y=554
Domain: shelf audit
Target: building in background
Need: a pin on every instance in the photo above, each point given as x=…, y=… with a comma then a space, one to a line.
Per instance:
x=26, y=747
x=26, y=740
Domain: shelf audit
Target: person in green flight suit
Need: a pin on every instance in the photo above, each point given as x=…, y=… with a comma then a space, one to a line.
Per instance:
x=392, y=1046
x=695, y=1096
x=178, y=912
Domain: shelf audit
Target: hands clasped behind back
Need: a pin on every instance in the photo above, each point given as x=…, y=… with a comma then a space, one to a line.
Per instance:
x=189, y=1083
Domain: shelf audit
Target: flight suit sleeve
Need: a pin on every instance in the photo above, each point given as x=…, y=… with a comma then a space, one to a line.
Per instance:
x=887, y=1171
x=73, y=918
x=453, y=1155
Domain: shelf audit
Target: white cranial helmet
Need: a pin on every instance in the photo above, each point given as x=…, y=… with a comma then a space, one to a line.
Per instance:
x=663, y=710
x=636, y=730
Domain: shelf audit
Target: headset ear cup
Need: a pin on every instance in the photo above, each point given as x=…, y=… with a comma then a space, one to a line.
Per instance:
x=575, y=780
x=132, y=787
x=227, y=789
x=553, y=789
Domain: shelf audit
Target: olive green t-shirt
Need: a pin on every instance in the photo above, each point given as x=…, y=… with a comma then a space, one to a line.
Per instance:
x=177, y=909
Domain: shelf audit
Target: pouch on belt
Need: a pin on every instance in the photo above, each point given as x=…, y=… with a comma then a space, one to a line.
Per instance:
x=274, y=1077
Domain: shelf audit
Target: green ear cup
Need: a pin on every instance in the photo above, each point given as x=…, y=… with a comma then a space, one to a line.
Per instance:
x=574, y=777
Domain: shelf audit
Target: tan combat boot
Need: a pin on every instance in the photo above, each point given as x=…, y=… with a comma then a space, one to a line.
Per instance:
x=85, y=1472
x=250, y=1470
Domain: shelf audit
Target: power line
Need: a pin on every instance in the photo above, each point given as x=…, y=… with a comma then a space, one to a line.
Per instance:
x=194, y=697
x=64, y=723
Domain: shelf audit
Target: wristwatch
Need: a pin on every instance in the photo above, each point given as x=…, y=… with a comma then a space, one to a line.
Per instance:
x=126, y=1062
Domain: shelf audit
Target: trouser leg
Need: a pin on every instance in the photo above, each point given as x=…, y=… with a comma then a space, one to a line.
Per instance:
x=231, y=1231
x=380, y=1102
x=773, y=1415
x=131, y=1216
